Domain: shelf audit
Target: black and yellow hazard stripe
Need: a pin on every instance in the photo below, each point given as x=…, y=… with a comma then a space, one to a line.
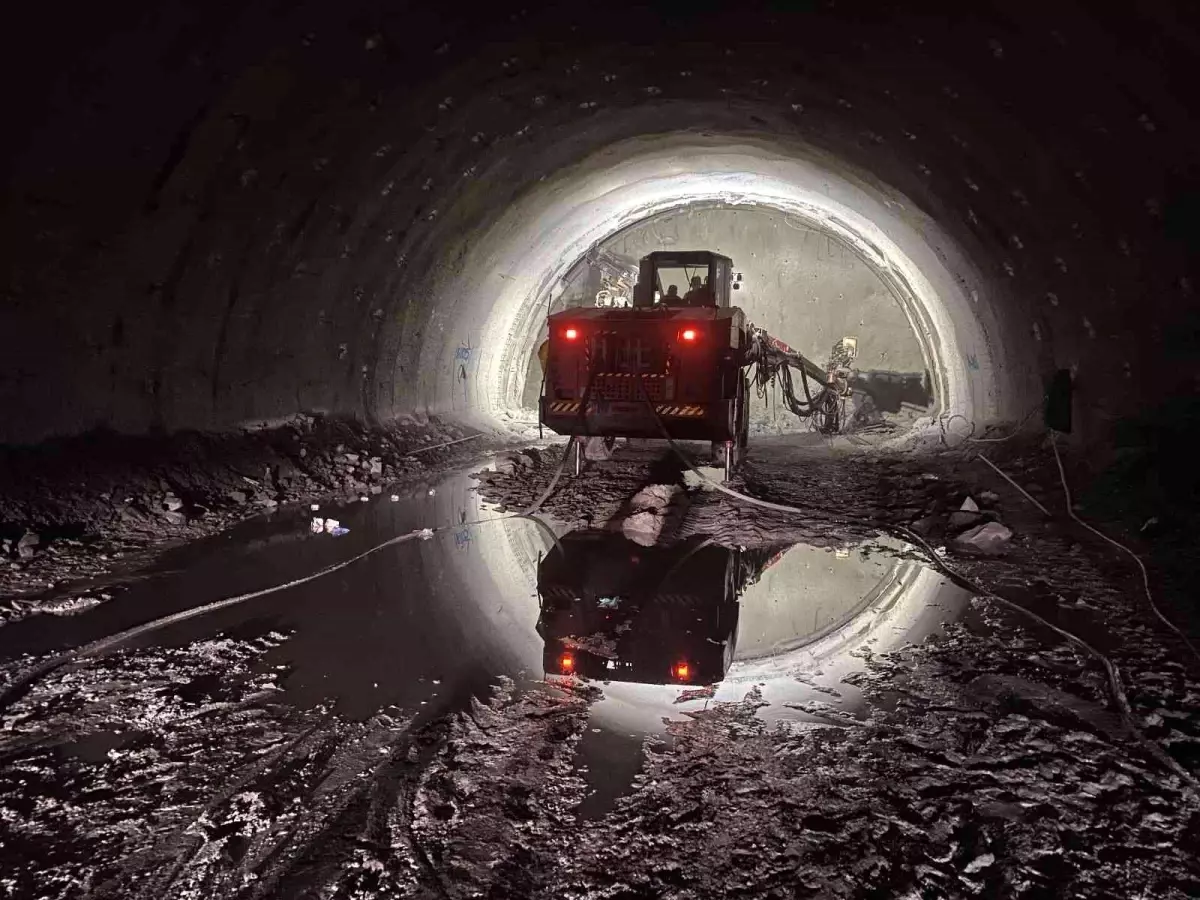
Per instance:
x=631, y=374
x=678, y=411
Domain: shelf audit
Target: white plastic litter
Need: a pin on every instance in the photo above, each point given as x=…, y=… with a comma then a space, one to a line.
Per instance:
x=329, y=526
x=432, y=491
x=315, y=506
x=395, y=498
x=426, y=533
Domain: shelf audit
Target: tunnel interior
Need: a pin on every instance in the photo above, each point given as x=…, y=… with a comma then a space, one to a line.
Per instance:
x=275, y=280
x=332, y=226
x=802, y=284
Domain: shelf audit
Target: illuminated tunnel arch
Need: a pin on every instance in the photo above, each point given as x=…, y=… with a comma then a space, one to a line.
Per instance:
x=348, y=209
x=500, y=294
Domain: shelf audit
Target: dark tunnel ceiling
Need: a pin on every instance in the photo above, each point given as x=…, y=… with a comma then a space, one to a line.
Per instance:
x=227, y=213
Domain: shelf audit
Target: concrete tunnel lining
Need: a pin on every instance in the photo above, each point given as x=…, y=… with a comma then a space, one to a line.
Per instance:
x=500, y=295
x=266, y=238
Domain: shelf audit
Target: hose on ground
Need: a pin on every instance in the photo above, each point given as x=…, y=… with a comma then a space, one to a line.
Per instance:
x=1114, y=676
x=21, y=683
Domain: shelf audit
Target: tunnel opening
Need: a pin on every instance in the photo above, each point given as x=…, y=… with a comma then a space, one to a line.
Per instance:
x=802, y=284
x=284, y=252
x=919, y=292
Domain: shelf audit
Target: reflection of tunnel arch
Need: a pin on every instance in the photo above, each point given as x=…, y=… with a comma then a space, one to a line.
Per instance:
x=848, y=586
x=886, y=600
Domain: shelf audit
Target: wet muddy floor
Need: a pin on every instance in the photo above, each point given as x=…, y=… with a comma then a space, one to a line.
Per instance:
x=566, y=708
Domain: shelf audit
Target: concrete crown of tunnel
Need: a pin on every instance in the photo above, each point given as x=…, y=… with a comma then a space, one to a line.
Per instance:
x=360, y=211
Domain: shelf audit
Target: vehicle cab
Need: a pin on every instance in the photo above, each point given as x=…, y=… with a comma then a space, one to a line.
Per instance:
x=684, y=278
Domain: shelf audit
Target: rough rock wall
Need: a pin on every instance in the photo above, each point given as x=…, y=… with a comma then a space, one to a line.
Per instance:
x=224, y=213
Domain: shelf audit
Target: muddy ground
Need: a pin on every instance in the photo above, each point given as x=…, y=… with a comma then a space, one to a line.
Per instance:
x=107, y=505
x=988, y=761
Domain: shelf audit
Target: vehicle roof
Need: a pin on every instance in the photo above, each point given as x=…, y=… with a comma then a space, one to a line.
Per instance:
x=647, y=313
x=685, y=257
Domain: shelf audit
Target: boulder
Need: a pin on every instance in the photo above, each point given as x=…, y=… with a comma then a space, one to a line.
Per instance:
x=990, y=538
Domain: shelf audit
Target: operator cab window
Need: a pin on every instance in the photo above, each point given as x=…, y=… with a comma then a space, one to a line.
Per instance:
x=683, y=286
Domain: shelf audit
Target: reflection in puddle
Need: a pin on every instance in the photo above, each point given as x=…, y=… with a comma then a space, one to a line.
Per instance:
x=429, y=625
x=614, y=610
x=666, y=629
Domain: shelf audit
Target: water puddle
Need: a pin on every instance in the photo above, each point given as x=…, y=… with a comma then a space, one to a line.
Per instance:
x=667, y=630
x=427, y=624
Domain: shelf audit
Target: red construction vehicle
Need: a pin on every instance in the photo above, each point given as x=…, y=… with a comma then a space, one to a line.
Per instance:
x=671, y=365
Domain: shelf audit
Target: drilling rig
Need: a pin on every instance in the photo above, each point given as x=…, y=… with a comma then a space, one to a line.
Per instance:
x=674, y=363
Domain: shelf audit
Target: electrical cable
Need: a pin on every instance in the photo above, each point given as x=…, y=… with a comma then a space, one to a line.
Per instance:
x=998, y=440
x=21, y=683
x=1006, y=477
x=1114, y=677
x=946, y=418
x=582, y=420
x=1137, y=559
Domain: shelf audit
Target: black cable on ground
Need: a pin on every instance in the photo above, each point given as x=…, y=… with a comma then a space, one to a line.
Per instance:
x=582, y=420
x=1114, y=677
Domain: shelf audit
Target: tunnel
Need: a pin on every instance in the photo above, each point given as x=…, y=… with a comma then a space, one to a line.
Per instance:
x=279, y=271
x=348, y=222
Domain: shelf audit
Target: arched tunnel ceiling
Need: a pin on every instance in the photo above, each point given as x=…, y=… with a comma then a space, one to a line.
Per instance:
x=225, y=215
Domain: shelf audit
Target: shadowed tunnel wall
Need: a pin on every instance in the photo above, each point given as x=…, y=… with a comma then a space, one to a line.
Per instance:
x=222, y=214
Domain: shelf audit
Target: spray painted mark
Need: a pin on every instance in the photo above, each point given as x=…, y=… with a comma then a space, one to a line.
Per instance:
x=462, y=538
x=463, y=357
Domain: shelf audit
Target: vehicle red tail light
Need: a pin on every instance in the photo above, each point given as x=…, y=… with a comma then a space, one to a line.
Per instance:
x=682, y=671
x=566, y=663
x=570, y=333
x=688, y=334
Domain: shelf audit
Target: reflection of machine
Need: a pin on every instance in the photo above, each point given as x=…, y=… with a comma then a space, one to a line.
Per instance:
x=671, y=363
x=614, y=610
